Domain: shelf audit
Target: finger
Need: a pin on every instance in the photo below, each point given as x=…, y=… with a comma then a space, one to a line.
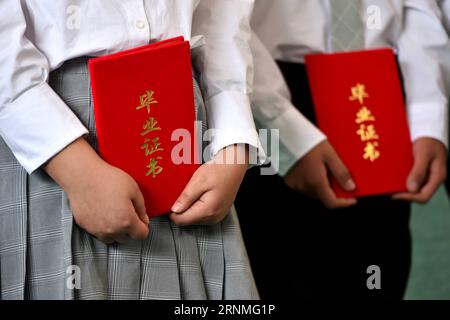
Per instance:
x=329, y=199
x=340, y=172
x=200, y=213
x=418, y=174
x=139, y=206
x=435, y=179
x=138, y=230
x=191, y=193
x=192, y=216
x=407, y=196
x=412, y=197
x=423, y=196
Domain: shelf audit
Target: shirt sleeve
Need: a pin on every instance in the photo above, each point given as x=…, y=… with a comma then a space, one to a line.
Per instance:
x=423, y=55
x=34, y=122
x=225, y=65
x=272, y=109
x=445, y=7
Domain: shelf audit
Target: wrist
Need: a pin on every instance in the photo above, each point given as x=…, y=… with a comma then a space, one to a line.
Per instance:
x=74, y=165
x=236, y=154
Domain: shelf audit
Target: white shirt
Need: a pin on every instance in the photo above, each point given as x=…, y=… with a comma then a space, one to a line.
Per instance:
x=445, y=10
x=37, y=36
x=290, y=29
x=272, y=109
x=445, y=7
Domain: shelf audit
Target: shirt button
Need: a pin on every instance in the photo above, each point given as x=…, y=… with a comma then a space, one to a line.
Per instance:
x=140, y=24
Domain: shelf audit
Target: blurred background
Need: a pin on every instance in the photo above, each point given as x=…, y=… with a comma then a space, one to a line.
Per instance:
x=430, y=227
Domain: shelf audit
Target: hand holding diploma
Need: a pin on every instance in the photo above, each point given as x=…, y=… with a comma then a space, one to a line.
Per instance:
x=310, y=176
x=428, y=173
x=212, y=189
x=106, y=202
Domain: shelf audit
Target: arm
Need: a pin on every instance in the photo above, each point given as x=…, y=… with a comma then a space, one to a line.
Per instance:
x=423, y=54
x=272, y=109
x=225, y=65
x=34, y=122
x=41, y=130
x=226, y=68
x=306, y=157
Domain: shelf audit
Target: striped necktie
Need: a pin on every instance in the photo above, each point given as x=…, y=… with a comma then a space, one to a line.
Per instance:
x=347, y=28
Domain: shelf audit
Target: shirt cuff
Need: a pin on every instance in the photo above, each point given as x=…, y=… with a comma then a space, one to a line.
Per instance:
x=298, y=136
x=38, y=125
x=230, y=121
x=429, y=120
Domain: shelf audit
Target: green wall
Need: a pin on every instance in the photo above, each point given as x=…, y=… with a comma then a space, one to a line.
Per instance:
x=430, y=225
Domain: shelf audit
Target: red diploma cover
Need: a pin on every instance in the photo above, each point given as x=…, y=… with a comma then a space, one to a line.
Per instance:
x=359, y=105
x=141, y=96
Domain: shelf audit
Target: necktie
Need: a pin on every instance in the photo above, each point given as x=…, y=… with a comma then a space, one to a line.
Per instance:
x=347, y=28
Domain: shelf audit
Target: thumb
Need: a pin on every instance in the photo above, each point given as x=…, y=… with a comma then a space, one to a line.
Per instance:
x=139, y=206
x=340, y=172
x=418, y=174
x=191, y=193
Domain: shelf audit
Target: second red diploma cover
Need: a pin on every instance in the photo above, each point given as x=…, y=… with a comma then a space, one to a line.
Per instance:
x=141, y=98
x=359, y=105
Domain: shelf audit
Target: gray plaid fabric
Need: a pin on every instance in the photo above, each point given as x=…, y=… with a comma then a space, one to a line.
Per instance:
x=39, y=240
x=347, y=27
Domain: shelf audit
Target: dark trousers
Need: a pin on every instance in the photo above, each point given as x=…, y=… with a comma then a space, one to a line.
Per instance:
x=299, y=249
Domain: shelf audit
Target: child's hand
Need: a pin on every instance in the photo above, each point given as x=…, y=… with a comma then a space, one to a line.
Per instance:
x=211, y=191
x=428, y=173
x=311, y=176
x=105, y=201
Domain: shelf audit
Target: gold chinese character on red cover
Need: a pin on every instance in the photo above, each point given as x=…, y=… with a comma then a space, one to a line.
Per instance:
x=151, y=146
x=371, y=152
x=367, y=133
x=358, y=93
x=364, y=115
x=150, y=125
x=153, y=168
x=146, y=100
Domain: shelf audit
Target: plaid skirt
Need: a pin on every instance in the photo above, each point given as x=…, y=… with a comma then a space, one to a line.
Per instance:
x=43, y=252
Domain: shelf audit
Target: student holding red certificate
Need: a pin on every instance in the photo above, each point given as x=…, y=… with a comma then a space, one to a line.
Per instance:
x=65, y=211
x=363, y=248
